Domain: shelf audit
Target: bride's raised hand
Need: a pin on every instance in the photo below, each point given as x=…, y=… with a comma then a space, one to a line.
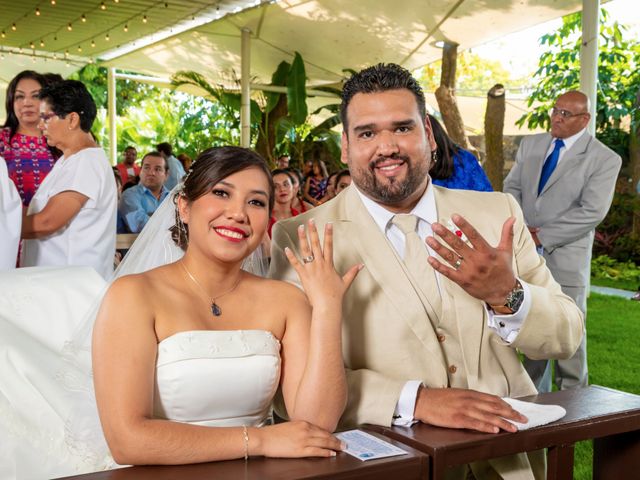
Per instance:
x=316, y=271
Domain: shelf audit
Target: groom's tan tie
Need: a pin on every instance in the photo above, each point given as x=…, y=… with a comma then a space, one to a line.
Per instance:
x=415, y=259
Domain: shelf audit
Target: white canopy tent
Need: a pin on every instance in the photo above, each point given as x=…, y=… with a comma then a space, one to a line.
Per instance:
x=158, y=38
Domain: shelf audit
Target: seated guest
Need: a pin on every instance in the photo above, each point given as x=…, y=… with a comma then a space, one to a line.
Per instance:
x=284, y=196
x=185, y=161
x=331, y=187
x=343, y=180
x=128, y=169
x=176, y=170
x=298, y=203
x=140, y=201
x=453, y=166
x=315, y=185
x=71, y=219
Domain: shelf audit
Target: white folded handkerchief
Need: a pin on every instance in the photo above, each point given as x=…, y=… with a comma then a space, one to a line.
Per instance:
x=538, y=414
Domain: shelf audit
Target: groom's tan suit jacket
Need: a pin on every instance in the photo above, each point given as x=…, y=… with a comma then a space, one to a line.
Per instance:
x=393, y=333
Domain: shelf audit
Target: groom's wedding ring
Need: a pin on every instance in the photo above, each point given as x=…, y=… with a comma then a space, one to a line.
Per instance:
x=458, y=263
x=308, y=259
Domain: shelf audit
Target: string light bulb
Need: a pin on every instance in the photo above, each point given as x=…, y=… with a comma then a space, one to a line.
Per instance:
x=53, y=2
x=103, y=6
x=37, y=12
x=69, y=27
x=66, y=53
x=93, y=43
x=107, y=37
x=55, y=56
x=32, y=45
x=144, y=19
x=42, y=43
x=13, y=27
x=3, y=34
x=126, y=28
x=79, y=48
x=83, y=18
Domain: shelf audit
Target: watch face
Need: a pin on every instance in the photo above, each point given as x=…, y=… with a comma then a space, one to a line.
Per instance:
x=515, y=298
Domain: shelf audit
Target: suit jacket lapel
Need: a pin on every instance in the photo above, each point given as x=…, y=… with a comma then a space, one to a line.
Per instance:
x=387, y=269
x=540, y=156
x=572, y=157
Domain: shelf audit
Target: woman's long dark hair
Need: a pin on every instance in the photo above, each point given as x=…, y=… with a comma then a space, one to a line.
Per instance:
x=446, y=150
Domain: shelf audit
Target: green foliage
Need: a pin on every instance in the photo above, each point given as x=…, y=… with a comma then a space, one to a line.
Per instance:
x=128, y=92
x=559, y=71
x=614, y=236
x=626, y=273
x=474, y=75
x=297, y=91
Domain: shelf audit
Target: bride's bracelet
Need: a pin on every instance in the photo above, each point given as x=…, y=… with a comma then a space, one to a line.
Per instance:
x=245, y=436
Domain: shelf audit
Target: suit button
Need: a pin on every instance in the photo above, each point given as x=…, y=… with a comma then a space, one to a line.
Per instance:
x=441, y=338
x=453, y=369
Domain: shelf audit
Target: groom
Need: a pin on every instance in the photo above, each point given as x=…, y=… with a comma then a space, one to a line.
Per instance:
x=431, y=329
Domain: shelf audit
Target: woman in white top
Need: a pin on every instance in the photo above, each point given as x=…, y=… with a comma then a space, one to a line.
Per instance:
x=72, y=218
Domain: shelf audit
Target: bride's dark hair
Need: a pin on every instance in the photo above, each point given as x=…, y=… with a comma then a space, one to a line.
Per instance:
x=212, y=166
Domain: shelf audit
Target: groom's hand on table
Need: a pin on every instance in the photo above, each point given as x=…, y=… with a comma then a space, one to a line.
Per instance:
x=460, y=408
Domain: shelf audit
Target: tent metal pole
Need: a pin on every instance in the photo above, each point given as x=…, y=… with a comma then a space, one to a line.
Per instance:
x=589, y=56
x=111, y=113
x=245, y=89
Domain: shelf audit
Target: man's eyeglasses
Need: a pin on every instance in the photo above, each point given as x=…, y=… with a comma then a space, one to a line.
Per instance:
x=45, y=117
x=564, y=113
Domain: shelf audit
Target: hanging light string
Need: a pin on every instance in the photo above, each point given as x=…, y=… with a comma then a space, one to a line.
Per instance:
x=134, y=22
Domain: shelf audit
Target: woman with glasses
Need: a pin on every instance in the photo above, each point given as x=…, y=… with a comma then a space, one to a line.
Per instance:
x=72, y=217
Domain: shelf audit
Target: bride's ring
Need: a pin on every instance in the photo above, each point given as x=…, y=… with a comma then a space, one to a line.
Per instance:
x=458, y=263
x=308, y=259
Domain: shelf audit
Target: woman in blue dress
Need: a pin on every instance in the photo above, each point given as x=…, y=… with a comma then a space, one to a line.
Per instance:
x=455, y=167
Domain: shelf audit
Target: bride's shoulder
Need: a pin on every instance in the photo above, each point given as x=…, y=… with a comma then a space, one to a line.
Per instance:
x=140, y=283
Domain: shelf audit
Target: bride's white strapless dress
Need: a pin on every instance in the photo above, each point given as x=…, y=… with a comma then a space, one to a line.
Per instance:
x=48, y=420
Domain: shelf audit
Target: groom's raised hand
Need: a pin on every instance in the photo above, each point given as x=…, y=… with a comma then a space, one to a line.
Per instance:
x=483, y=271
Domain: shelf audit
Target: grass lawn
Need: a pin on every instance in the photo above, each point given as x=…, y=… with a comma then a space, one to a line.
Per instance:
x=613, y=332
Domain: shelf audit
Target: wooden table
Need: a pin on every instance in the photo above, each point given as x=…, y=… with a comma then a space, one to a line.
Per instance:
x=413, y=466
x=610, y=417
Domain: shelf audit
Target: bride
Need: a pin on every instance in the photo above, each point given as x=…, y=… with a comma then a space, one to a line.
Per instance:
x=187, y=356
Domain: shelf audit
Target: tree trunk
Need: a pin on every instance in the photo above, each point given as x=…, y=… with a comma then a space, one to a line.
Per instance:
x=446, y=97
x=267, y=134
x=493, y=131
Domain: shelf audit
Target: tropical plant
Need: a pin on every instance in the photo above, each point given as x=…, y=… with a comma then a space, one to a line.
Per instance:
x=278, y=120
x=559, y=71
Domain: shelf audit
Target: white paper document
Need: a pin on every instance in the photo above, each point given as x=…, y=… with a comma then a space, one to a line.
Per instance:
x=364, y=446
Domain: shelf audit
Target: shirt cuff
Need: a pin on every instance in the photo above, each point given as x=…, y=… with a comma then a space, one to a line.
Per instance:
x=403, y=414
x=508, y=326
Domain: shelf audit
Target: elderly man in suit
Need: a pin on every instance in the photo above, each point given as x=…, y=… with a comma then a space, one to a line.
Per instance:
x=431, y=329
x=564, y=181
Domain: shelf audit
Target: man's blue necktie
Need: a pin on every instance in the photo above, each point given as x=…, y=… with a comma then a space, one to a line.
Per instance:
x=550, y=164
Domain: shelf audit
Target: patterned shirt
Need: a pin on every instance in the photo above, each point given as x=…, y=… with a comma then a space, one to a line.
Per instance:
x=29, y=161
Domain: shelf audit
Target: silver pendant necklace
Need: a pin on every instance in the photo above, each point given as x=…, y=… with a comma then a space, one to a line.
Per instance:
x=216, y=311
